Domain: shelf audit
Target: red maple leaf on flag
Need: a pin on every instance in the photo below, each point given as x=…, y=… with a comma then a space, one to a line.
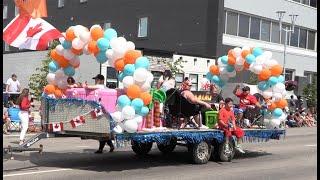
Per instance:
x=34, y=30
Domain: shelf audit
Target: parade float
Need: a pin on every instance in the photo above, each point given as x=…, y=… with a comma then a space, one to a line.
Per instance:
x=133, y=115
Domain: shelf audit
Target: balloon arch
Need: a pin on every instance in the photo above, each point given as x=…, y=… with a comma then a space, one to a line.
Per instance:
x=271, y=82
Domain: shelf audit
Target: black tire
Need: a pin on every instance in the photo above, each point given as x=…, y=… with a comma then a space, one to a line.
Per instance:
x=141, y=148
x=167, y=148
x=225, y=156
x=201, y=152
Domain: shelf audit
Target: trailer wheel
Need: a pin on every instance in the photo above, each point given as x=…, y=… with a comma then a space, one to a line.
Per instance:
x=167, y=148
x=226, y=151
x=141, y=148
x=201, y=152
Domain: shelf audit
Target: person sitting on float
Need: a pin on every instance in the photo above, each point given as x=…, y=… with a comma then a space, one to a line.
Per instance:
x=72, y=83
x=166, y=81
x=227, y=123
x=99, y=83
x=186, y=93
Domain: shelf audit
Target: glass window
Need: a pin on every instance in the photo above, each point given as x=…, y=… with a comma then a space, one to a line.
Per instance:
x=313, y=3
x=232, y=23
x=16, y=10
x=112, y=73
x=243, y=25
x=307, y=2
x=311, y=39
x=275, y=32
x=303, y=38
x=265, y=30
x=255, y=28
x=289, y=74
x=5, y=12
x=143, y=27
x=60, y=3
x=106, y=25
x=283, y=34
x=82, y=1
x=179, y=78
x=297, y=1
x=194, y=80
x=294, y=37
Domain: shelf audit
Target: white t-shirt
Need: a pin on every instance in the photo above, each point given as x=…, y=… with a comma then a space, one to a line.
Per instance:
x=100, y=86
x=13, y=85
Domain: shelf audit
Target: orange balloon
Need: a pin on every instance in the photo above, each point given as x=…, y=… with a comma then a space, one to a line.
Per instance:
x=214, y=70
x=58, y=93
x=96, y=33
x=53, y=54
x=264, y=74
x=119, y=64
x=70, y=34
x=276, y=70
x=282, y=103
x=133, y=91
x=76, y=51
x=244, y=53
x=231, y=53
x=246, y=65
x=272, y=106
x=131, y=56
x=146, y=98
x=92, y=47
x=49, y=89
x=63, y=62
x=231, y=60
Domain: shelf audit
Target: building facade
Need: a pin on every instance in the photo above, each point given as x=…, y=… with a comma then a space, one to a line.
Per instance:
x=198, y=31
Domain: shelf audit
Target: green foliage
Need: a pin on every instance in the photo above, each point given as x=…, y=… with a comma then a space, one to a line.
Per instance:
x=38, y=80
x=310, y=93
x=176, y=66
x=253, y=79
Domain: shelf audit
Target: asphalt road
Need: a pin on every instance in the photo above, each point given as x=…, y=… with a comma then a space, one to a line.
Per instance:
x=292, y=158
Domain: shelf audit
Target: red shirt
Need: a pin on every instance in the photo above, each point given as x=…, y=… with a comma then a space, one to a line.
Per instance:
x=25, y=104
x=246, y=100
x=225, y=115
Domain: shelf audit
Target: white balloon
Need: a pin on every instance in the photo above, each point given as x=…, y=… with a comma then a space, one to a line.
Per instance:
x=77, y=43
x=94, y=26
x=68, y=54
x=118, y=129
x=128, y=112
x=85, y=50
x=111, y=62
x=279, y=88
x=239, y=61
x=85, y=37
x=117, y=116
x=130, y=45
x=284, y=93
x=109, y=54
x=130, y=126
x=245, y=48
x=62, y=84
x=223, y=70
x=114, y=42
x=267, y=55
x=75, y=62
x=271, y=62
x=275, y=123
x=260, y=60
x=277, y=96
x=237, y=51
x=283, y=117
x=149, y=77
x=122, y=40
x=267, y=93
x=146, y=86
x=127, y=81
x=139, y=75
x=257, y=68
x=59, y=73
x=51, y=78
x=59, y=49
x=138, y=119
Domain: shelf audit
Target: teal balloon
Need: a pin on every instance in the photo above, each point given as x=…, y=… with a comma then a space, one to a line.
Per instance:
x=129, y=69
x=123, y=101
x=110, y=33
x=263, y=85
x=257, y=51
x=144, y=111
x=142, y=62
x=209, y=76
x=103, y=44
x=221, y=83
x=69, y=71
x=281, y=79
x=230, y=68
x=250, y=58
x=66, y=44
x=101, y=57
x=53, y=66
x=224, y=59
x=215, y=79
x=277, y=112
x=121, y=76
x=137, y=104
x=273, y=80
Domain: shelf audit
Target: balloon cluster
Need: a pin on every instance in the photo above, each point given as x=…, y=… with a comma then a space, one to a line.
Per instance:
x=271, y=82
x=77, y=40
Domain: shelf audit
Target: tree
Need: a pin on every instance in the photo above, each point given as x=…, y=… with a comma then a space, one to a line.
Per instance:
x=253, y=79
x=310, y=93
x=38, y=80
x=176, y=66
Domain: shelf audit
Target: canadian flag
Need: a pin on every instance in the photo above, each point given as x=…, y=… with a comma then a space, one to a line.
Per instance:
x=79, y=120
x=56, y=127
x=24, y=32
x=96, y=113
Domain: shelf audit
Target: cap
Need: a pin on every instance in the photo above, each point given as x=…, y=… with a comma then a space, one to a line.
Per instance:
x=99, y=76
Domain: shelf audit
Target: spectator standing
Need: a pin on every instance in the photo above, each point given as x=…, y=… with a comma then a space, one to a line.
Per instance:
x=292, y=104
x=299, y=103
x=13, y=88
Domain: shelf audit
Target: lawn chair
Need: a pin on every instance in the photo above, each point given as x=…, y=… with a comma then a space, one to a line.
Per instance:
x=14, y=117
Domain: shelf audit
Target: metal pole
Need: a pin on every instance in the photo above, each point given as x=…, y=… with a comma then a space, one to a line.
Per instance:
x=284, y=54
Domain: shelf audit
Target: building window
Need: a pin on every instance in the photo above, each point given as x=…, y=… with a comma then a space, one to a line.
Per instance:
x=265, y=30
x=112, y=79
x=60, y=3
x=194, y=80
x=303, y=38
x=208, y=62
x=307, y=2
x=289, y=75
x=255, y=28
x=143, y=27
x=83, y=1
x=309, y=76
x=243, y=25
x=232, y=23
x=311, y=40
x=179, y=79
x=6, y=47
x=5, y=12
x=16, y=10
x=283, y=34
x=275, y=33
x=294, y=37
x=156, y=77
x=313, y=3
x=106, y=25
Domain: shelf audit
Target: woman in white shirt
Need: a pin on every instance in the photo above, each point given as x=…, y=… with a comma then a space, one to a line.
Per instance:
x=166, y=81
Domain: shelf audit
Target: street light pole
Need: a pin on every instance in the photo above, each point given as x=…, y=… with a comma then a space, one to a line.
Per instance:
x=293, y=19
